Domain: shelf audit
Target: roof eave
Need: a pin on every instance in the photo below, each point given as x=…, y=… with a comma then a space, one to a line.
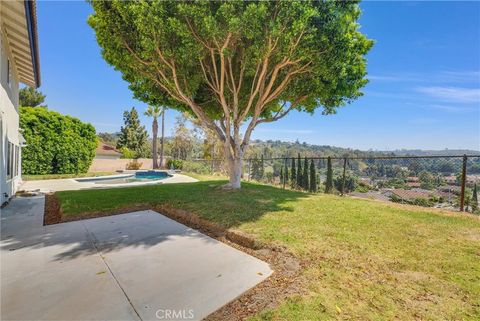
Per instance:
x=31, y=16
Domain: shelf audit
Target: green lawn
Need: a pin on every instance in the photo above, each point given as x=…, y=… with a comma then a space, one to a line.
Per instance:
x=59, y=176
x=367, y=260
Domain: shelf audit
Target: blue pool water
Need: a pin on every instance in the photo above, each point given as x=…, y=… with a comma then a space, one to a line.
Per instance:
x=144, y=176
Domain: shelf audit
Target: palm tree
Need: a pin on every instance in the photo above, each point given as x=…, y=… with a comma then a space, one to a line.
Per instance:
x=155, y=112
x=163, y=135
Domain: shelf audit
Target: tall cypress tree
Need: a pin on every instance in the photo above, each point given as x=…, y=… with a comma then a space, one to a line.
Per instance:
x=293, y=179
x=285, y=174
x=255, y=168
x=329, y=182
x=132, y=135
x=305, y=175
x=299, y=172
x=474, y=198
x=313, y=177
x=262, y=168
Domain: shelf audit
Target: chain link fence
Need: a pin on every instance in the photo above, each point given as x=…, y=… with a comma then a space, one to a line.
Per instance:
x=449, y=182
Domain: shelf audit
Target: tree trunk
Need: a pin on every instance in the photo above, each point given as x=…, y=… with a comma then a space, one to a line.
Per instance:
x=154, y=143
x=161, y=139
x=234, y=157
x=235, y=166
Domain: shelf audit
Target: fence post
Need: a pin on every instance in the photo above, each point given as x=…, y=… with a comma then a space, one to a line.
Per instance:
x=464, y=181
x=284, y=173
x=344, y=174
x=212, y=167
x=249, y=172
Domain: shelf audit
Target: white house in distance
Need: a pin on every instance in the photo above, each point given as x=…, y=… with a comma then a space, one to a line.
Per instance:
x=19, y=63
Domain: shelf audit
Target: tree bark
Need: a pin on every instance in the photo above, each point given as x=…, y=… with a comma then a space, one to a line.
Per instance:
x=235, y=165
x=162, y=138
x=154, y=143
x=234, y=156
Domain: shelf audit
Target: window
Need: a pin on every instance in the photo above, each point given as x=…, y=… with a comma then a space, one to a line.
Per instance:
x=9, y=73
x=13, y=153
x=17, y=161
x=9, y=160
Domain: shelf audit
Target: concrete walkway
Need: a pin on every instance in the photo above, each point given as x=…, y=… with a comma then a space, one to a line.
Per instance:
x=69, y=184
x=136, y=266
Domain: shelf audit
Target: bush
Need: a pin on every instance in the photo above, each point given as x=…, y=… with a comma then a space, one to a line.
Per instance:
x=127, y=153
x=350, y=183
x=175, y=163
x=197, y=167
x=362, y=188
x=133, y=165
x=56, y=143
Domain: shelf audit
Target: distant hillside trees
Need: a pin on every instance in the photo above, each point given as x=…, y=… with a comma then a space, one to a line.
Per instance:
x=55, y=143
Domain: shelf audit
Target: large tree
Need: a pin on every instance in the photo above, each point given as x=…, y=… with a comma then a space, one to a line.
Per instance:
x=30, y=97
x=132, y=134
x=235, y=64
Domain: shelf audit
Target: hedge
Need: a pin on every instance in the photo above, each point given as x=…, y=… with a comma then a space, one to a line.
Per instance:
x=56, y=143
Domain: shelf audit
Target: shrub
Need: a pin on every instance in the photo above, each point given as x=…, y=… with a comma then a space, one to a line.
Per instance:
x=175, y=163
x=362, y=188
x=127, y=153
x=133, y=165
x=197, y=167
x=56, y=143
x=350, y=183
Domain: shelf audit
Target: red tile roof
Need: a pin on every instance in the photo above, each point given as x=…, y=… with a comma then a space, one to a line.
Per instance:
x=104, y=149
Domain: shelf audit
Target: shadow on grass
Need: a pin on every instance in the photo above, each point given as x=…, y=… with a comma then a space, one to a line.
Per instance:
x=207, y=199
x=22, y=228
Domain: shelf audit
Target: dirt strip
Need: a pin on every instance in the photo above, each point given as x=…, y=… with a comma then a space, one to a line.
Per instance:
x=286, y=281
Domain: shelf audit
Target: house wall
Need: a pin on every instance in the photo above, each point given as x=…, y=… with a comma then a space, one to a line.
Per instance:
x=9, y=121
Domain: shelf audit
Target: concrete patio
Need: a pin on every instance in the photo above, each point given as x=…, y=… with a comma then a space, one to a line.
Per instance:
x=136, y=266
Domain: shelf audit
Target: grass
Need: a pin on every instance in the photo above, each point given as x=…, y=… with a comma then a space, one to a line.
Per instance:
x=60, y=176
x=366, y=260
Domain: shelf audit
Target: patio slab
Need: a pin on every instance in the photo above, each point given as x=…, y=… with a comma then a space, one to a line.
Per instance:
x=135, y=266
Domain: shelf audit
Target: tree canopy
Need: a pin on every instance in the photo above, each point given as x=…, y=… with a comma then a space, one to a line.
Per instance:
x=234, y=63
x=30, y=97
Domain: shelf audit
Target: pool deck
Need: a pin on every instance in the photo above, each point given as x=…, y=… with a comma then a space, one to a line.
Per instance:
x=70, y=184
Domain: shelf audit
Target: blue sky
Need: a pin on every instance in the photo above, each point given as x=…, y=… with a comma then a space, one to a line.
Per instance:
x=424, y=72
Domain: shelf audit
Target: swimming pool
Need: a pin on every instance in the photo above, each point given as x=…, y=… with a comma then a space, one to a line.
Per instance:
x=143, y=176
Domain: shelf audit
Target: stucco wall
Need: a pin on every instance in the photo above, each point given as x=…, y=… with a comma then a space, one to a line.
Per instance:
x=112, y=165
x=9, y=120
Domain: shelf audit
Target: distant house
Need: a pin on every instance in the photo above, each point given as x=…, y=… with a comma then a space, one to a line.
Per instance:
x=411, y=195
x=450, y=189
x=413, y=181
x=19, y=63
x=105, y=151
